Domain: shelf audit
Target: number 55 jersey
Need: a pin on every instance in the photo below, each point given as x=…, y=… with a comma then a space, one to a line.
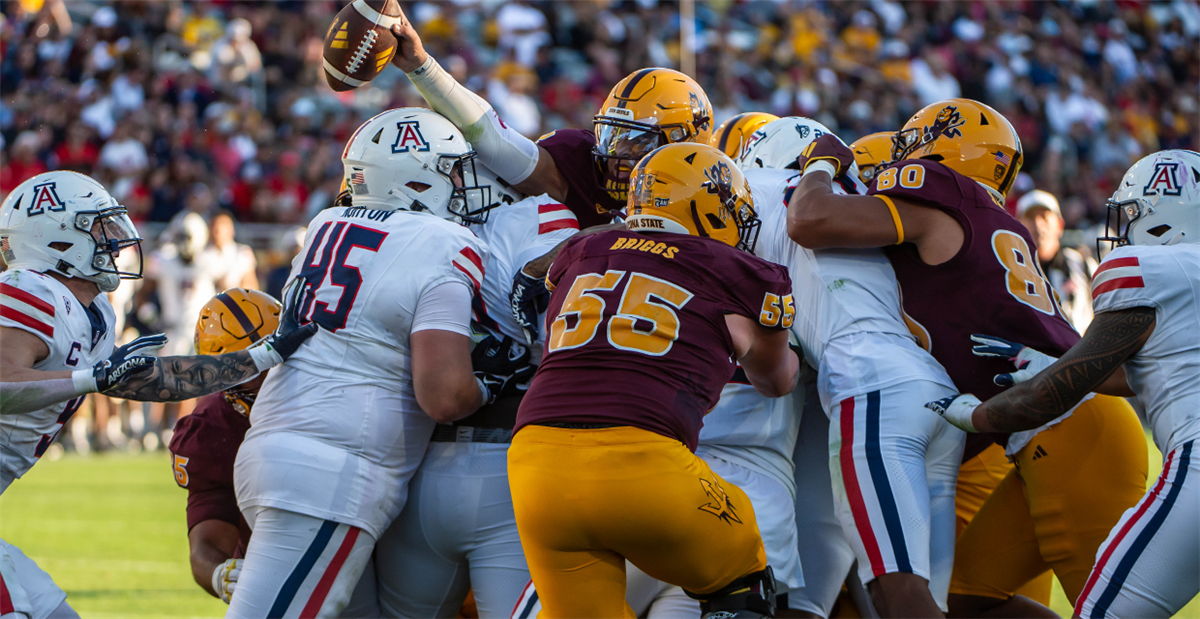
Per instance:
x=643, y=315
x=336, y=432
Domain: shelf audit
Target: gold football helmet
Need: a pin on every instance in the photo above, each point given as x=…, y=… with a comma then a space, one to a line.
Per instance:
x=871, y=153
x=648, y=109
x=732, y=134
x=693, y=189
x=969, y=137
x=236, y=320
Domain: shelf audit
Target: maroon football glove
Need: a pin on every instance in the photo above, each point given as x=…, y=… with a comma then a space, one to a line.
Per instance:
x=829, y=148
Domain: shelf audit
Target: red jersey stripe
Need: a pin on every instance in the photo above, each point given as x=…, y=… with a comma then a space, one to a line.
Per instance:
x=557, y=224
x=470, y=254
x=25, y=319
x=551, y=207
x=321, y=591
x=6, y=603
x=1117, y=263
x=1116, y=284
x=474, y=281
x=25, y=297
x=858, y=507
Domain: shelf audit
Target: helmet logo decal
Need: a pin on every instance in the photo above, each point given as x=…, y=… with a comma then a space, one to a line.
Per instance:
x=946, y=124
x=1165, y=180
x=1002, y=158
x=410, y=138
x=699, y=112
x=803, y=131
x=998, y=173
x=45, y=196
x=357, y=182
x=720, y=182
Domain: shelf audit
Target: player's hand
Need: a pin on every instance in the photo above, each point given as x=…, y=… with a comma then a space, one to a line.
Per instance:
x=289, y=335
x=126, y=362
x=957, y=410
x=528, y=299
x=829, y=148
x=225, y=577
x=1028, y=361
x=410, y=53
x=501, y=365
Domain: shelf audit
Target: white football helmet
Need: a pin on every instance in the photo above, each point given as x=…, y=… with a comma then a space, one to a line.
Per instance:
x=777, y=144
x=68, y=223
x=414, y=159
x=1157, y=203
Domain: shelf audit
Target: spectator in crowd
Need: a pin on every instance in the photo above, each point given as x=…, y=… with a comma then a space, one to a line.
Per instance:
x=23, y=164
x=233, y=262
x=1069, y=270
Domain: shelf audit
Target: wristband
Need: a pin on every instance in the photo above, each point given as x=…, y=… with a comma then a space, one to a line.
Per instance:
x=821, y=165
x=84, y=381
x=264, y=356
x=419, y=72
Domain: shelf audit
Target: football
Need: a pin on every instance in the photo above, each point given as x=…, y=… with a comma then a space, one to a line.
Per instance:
x=359, y=43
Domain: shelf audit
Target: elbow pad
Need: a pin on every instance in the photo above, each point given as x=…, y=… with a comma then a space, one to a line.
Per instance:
x=503, y=150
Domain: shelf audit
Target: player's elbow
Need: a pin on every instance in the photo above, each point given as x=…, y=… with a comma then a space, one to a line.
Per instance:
x=808, y=227
x=449, y=403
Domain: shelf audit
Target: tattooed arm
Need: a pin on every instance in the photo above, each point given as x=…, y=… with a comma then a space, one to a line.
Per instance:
x=1093, y=364
x=182, y=378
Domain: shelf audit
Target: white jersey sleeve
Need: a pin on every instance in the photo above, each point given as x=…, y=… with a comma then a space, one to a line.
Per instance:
x=1164, y=373
x=77, y=337
x=517, y=233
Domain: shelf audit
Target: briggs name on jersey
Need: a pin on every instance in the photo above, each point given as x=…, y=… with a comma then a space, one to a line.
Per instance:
x=650, y=245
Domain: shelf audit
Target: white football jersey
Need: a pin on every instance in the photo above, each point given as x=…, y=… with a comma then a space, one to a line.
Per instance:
x=336, y=431
x=754, y=431
x=1165, y=373
x=515, y=234
x=77, y=337
x=183, y=289
x=848, y=315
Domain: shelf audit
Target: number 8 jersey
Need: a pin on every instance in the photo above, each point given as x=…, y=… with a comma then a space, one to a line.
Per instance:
x=336, y=431
x=993, y=285
x=636, y=332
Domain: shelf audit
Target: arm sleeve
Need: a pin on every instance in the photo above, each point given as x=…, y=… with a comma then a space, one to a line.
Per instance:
x=30, y=396
x=445, y=307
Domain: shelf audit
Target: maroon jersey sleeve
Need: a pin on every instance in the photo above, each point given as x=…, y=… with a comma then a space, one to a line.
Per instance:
x=992, y=286
x=203, y=450
x=571, y=150
x=566, y=256
x=636, y=333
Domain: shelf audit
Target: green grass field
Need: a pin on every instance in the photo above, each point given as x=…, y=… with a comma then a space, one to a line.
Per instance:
x=110, y=529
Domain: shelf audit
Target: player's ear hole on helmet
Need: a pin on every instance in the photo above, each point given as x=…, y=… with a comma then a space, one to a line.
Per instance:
x=60, y=246
x=417, y=187
x=1158, y=231
x=715, y=222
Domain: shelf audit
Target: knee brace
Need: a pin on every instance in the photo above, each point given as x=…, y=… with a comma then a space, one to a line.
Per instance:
x=749, y=597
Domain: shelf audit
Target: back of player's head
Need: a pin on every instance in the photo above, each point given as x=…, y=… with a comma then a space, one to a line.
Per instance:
x=67, y=223
x=692, y=189
x=649, y=108
x=968, y=137
x=871, y=153
x=732, y=135
x=1157, y=203
x=777, y=144
x=235, y=320
x=414, y=159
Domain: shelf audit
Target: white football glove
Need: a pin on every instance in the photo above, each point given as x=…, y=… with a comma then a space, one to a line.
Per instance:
x=1029, y=362
x=225, y=577
x=957, y=410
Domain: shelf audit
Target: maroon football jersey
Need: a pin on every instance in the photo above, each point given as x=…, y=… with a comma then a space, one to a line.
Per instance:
x=203, y=450
x=636, y=334
x=571, y=150
x=993, y=286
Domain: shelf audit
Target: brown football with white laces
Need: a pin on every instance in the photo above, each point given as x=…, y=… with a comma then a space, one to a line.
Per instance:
x=359, y=43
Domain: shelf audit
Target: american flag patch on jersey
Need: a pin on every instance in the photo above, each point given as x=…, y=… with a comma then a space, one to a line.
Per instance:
x=470, y=264
x=24, y=308
x=1002, y=158
x=1116, y=274
x=555, y=216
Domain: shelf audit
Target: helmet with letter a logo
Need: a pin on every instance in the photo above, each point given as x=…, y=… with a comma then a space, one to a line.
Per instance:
x=968, y=137
x=414, y=159
x=236, y=320
x=67, y=223
x=648, y=109
x=692, y=189
x=1158, y=202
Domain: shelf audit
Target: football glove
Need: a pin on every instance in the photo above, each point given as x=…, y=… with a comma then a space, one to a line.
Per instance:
x=528, y=299
x=125, y=363
x=827, y=148
x=225, y=577
x=957, y=410
x=1029, y=362
x=289, y=335
x=500, y=365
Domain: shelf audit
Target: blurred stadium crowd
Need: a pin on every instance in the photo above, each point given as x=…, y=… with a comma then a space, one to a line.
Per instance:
x=219, y=108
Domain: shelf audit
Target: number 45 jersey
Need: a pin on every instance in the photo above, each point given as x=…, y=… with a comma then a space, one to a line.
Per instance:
x=336, y=431
x=77, y=337
x=636, y=332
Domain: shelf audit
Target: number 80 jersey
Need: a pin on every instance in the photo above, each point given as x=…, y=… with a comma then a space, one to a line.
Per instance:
x=636, y=332
x=993, y=285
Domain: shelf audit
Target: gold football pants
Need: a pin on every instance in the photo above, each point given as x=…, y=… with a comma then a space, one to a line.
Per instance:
x=586, y=500
x=1070, y=486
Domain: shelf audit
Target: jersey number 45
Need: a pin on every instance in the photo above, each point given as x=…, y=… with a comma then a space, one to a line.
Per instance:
x=325, y=268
